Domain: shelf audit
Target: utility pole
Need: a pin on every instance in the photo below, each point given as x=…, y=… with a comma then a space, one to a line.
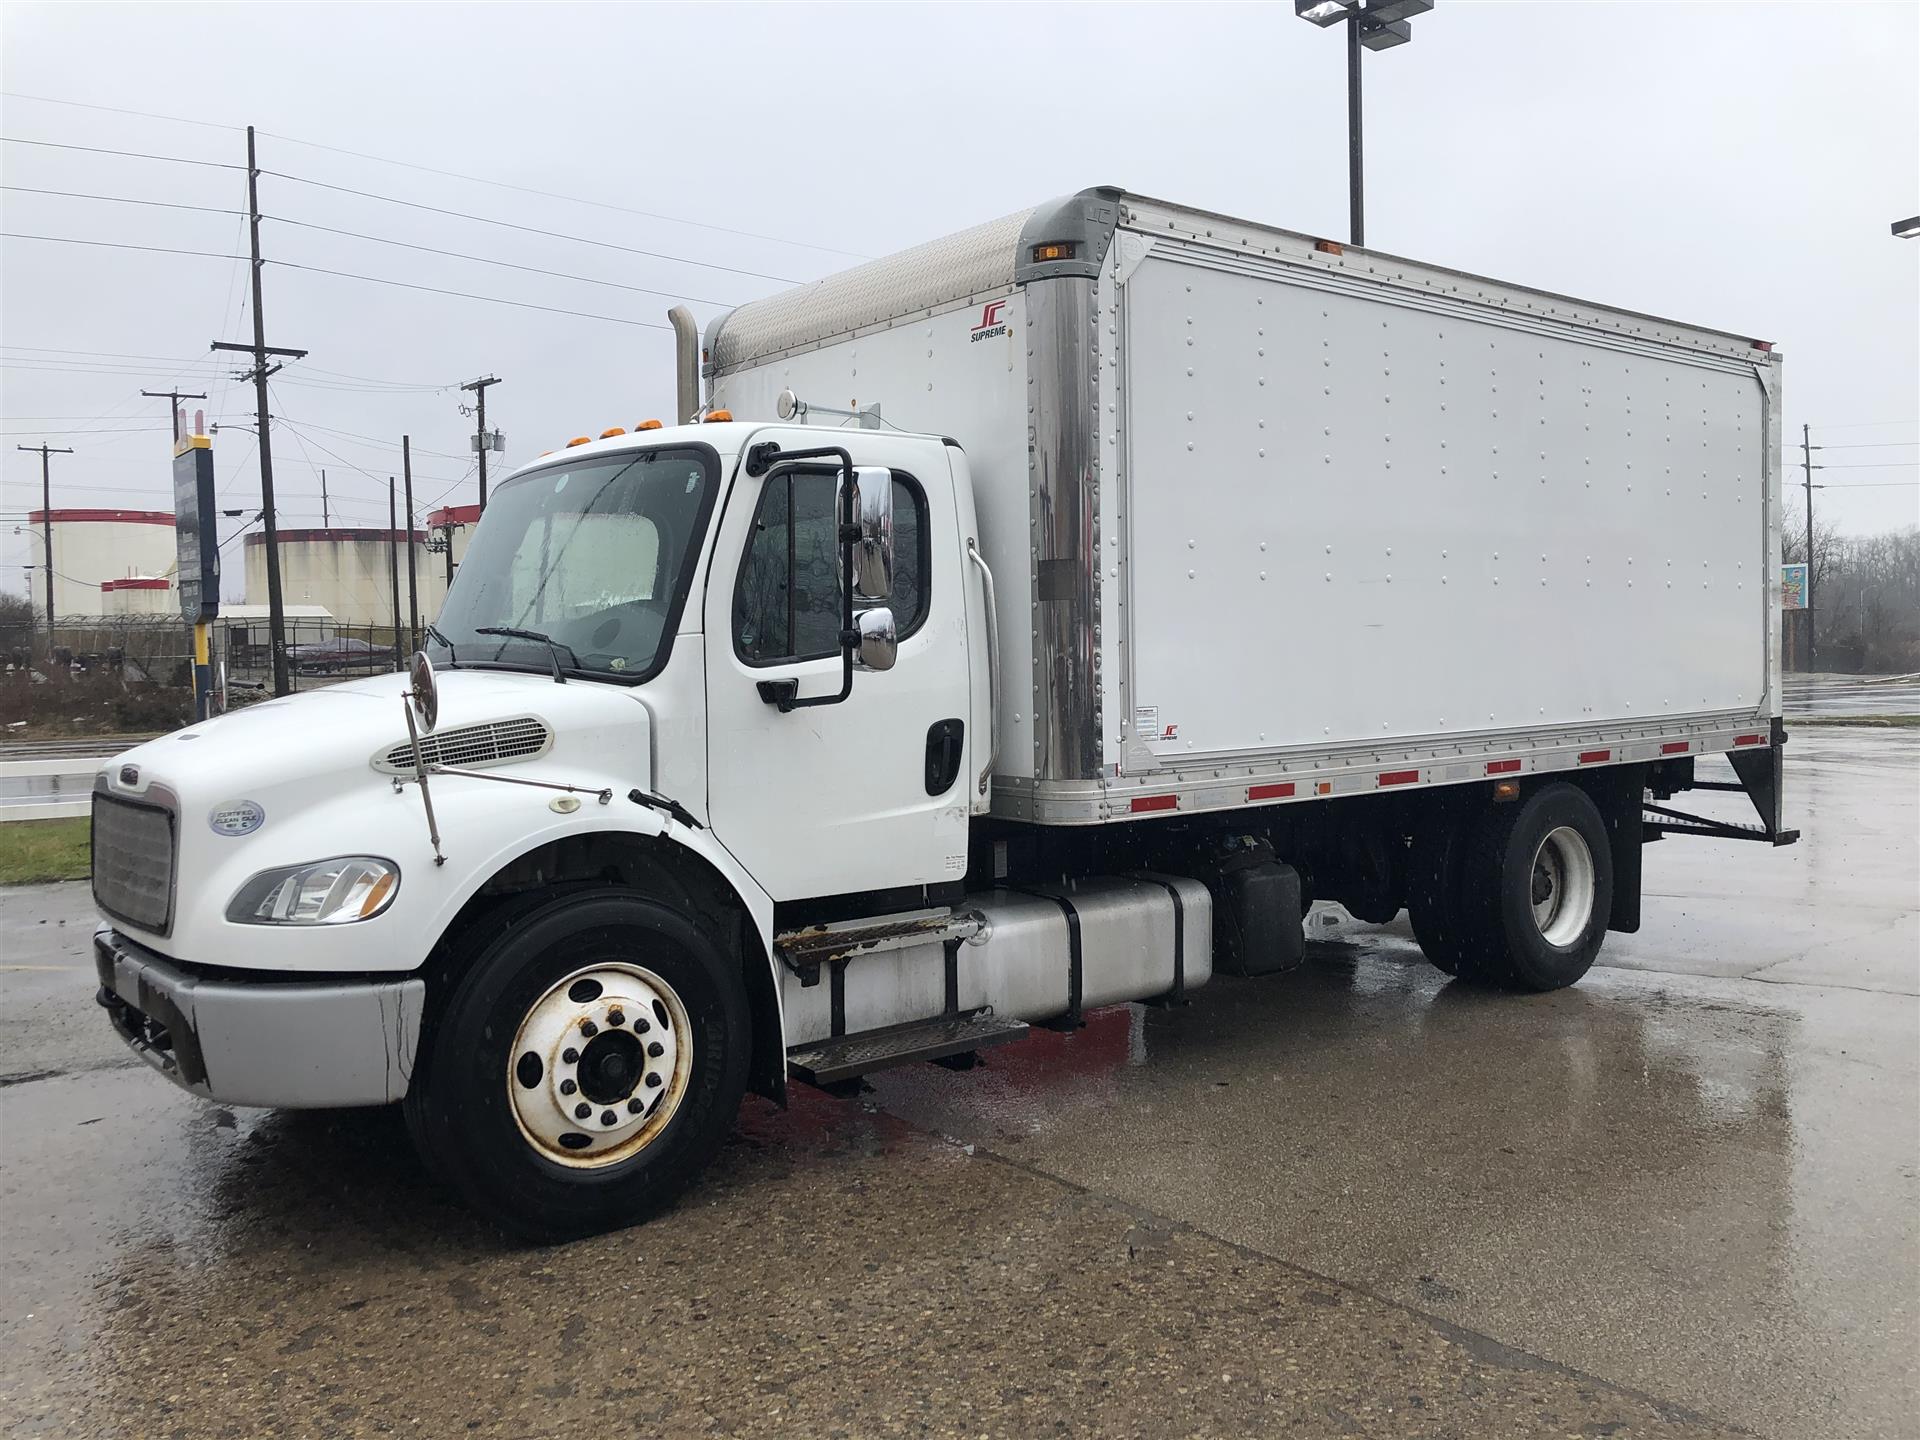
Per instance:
x=393, y=569
x=326, y=516
x=260, y=350
x=173, y=397
x=413, y=583
x=46, y=516
x=479, y=388
x=1806, y=463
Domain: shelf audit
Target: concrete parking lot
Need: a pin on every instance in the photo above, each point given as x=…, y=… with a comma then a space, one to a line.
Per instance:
x=1682, y=1199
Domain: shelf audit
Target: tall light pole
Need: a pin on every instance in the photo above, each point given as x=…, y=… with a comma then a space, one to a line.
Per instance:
x=1377, y=25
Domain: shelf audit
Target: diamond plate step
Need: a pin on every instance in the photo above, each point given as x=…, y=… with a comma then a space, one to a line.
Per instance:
x=825, y=1061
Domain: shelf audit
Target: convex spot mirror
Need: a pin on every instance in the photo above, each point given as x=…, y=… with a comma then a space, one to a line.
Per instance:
x=879, y=644
x=423, y=692
x=873, y=552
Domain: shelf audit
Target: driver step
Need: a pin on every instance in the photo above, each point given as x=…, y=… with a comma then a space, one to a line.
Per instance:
x=845, y=1056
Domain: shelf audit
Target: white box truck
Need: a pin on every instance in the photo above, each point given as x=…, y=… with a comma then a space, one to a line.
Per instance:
x=1036, y=620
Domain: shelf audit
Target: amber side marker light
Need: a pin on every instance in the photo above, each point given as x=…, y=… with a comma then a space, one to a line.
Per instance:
x=1056, y=250
x=1506, y=790
x=1329, y=247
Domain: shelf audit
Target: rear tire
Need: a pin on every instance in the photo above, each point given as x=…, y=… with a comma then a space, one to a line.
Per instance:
x=1537, y=890
x=528, y=1034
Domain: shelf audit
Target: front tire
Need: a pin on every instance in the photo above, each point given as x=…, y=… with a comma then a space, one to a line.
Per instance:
x=1538, y=888
x=599, y=1001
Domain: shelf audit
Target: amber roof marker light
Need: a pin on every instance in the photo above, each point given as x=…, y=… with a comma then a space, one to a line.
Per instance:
x=1377, y=25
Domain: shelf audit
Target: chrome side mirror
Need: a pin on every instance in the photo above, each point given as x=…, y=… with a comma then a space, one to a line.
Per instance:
x=423, y=691
x=873, y=551
x=879, y=644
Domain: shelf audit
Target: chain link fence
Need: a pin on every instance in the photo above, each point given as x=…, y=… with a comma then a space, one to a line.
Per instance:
x=96, y=674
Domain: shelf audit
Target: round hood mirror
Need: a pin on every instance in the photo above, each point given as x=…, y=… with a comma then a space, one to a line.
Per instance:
x=424, y=695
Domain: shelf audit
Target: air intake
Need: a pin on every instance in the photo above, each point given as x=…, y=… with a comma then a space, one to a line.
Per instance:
x=472, y=747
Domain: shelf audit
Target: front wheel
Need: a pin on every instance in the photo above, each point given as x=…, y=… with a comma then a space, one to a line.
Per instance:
x=585, y=1068
x=1538, y=890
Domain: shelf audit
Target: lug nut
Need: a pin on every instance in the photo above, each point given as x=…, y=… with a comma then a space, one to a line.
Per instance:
x=656, y=1049
x=567, y=1087
x=634, y=1107
x=607, y=1117
x=581, y=1111
x=653, y=1081
x=616, y=1017
x=570, y=1056
x=587, y=1027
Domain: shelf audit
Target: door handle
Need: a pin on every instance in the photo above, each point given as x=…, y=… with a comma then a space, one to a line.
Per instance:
x=943, y=754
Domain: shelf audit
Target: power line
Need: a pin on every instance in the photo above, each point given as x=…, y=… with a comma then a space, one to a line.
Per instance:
x=506, y=264
x=374, y=439
x=344, y=275
x=1866, y=424
x=469, y=295
x=449, y=174
x=116, y=110
x=127, y=154
x=532, y=229
x=1871, y=445
x=571, y=199
x=118, y=245
x=120, y=200
x=170, y=360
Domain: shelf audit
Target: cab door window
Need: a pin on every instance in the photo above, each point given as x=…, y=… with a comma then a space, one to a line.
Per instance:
x=786, y=606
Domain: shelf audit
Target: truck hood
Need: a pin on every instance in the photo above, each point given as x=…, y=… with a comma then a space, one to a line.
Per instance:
x=341, y=734
x=293, y=780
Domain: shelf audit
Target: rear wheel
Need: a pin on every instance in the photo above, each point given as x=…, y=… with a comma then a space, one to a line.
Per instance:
x=1538, y=887
x=585, y=1068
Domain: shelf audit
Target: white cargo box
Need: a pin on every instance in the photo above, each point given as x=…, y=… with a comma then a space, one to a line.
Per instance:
x=1275, y=519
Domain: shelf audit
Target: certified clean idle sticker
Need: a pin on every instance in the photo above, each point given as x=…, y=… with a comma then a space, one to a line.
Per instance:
x=236, y=817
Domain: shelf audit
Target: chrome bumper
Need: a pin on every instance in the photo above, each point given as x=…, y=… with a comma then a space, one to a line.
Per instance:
x=290, y=1044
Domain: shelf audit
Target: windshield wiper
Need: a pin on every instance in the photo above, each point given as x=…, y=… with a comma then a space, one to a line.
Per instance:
x=554, y=647
x=433, y=632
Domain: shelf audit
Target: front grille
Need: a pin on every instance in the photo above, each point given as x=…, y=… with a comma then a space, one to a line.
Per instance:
x=133, y=862
x=472, y=746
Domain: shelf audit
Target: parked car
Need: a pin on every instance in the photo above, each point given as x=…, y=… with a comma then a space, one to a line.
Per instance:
x=342, y=652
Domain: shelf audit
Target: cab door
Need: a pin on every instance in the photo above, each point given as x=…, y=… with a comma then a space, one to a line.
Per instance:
x=871, y=793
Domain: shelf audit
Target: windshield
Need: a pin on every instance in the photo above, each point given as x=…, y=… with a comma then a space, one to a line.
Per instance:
x=597, y=555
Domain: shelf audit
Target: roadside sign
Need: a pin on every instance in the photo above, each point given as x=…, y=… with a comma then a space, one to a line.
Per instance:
x=198, y=573
x=1793, y=587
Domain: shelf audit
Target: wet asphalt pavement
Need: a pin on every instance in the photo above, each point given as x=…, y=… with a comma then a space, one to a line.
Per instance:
x=1682, y=1199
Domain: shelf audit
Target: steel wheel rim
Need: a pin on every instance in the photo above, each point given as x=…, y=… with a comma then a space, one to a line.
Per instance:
x=612, y=1037
x=1561, y=887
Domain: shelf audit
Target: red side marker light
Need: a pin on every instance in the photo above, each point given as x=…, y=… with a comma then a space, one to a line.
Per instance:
x=1594, y=757
x=1502, y=767
x=1676, y=747
x=1144, y=803
x=1749, y=739
x=1278, y=791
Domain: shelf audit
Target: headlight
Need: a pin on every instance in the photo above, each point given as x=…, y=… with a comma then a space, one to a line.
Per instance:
x=327, y=892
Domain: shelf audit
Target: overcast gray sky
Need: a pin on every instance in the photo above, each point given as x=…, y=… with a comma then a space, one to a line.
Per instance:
x=1736, y=165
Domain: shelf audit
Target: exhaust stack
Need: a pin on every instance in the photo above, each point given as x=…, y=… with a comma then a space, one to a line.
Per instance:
x=686, y=364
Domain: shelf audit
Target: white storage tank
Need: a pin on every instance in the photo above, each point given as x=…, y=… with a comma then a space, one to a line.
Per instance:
x=91, y=547
x=346, y=572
